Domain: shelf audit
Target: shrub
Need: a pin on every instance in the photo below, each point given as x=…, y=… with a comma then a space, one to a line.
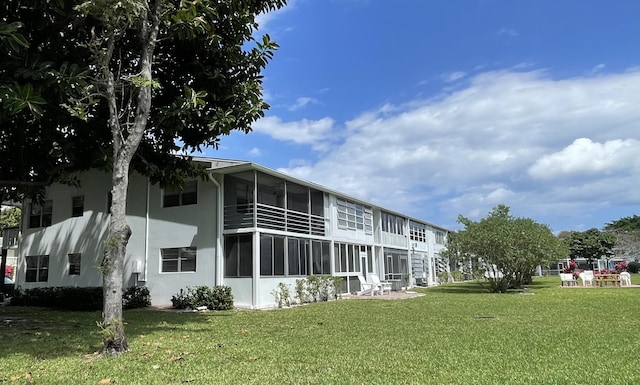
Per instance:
x=66, y=298
x=301, y=291
x=620, y=267
x=216, y=298
x=457, y=275
x=78, y=298
x=633, y=267
x=282, y=295
x=182, y=299
x=136, y=297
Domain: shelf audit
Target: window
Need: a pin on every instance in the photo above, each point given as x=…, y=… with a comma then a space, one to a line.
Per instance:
x=392, y=224
x=74, y=263
x=178, y=260
x=77, y=206
x=40, y=215
x=353, y=216
x=418, y=231
x=298, y=256
x=187, y=196
x=37, y=268
x=297, y=198
x=347, y=257
x=321, y=252
x=238, y=255
x=271, y=255
x=439, y=237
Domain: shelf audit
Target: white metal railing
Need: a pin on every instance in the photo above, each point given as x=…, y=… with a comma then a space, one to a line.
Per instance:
x=274, y=218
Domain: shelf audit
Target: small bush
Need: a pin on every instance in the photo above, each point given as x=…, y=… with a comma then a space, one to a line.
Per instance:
x=282, y=295
x=634, y=267
x=216, y=298
x=136, y=297
x=181, y=300
x=318, y=288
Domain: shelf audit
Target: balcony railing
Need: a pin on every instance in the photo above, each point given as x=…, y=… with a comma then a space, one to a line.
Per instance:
x=274, y=218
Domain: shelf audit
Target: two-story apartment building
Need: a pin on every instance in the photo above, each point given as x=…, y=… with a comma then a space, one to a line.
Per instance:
x=246, y=226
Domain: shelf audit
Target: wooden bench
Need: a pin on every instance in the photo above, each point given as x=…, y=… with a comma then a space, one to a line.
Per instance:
x=604, y=279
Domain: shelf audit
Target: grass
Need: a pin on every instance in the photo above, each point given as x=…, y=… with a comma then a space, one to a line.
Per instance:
x=455, y=334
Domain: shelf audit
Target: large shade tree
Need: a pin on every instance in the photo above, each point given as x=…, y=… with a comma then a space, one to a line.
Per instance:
x=591, y=245
x=509, y=248
x=152, y=78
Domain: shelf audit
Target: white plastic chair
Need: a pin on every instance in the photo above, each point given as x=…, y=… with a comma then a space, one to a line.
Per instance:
x=568, y=279
x=382, y=286
x=366, y=287
x=625, y=279
x=586, y=277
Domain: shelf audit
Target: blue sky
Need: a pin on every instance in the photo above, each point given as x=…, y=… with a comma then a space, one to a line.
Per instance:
x=440, y=108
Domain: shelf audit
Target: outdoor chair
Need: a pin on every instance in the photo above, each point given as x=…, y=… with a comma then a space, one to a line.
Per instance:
x=567, y=278
x=586, y=277
x=366, y=288
x=625, y=279
x=382, y=286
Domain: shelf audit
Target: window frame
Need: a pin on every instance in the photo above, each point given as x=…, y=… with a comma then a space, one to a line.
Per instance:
x=41, y=268
x=74, y=267
x=354, y=216
x=44, y=216
x=187, y=195
x=182, y=256
x=238, y=248
x=77, y=206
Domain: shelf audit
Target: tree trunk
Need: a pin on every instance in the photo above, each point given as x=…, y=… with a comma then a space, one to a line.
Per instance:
x=126, y=139
x=114, y=338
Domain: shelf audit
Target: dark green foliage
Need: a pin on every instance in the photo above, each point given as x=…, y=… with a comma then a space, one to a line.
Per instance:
x=624, y=224
x=591, y=244
x=182, y=299
x=509, y=248
x=66, y=298
x=633, y=267
x=216, y=298
x=77, y=298
x=136, y=297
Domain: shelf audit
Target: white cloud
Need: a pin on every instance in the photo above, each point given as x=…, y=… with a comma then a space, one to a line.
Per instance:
x=302, y=102
x=519, y=138
x=584, y=157
x=255, y=152
x=316, y=133
x=453, y=76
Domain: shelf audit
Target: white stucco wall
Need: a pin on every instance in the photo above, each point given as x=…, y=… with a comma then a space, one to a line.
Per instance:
x=181, y=226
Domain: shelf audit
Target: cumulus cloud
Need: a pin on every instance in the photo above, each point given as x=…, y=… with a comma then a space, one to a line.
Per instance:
x=584, y=157
x=519, y=138
x=316, y=133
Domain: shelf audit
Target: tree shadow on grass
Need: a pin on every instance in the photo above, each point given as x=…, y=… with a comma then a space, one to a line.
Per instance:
x=44, y=333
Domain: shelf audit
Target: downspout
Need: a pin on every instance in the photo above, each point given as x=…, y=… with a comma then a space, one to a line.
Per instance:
x=146, y=234
x=219, y=228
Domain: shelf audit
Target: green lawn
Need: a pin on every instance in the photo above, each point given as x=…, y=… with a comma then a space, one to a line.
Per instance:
x=454, y=334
